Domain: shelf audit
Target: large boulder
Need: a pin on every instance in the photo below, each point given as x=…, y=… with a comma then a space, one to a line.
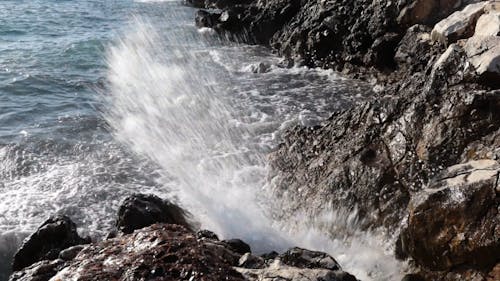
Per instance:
x=427, y=11
x=458, y=25
x=141, y=210
x=54, y=235
x=157, y=252
x=456, y=219
x=484, y=54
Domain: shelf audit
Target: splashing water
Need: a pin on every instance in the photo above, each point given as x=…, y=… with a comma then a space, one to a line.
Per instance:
x=208, y=123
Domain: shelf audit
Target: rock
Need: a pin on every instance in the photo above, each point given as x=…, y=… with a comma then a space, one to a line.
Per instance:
x=277, y=271
x=70, y=253
x=195, y=3
x=157, y=252
x=207, y=234
x=39, y=271
x=141, y=210
x=455, y=219
x=412, y=277
x=484, y=55
x=458, y=25
x=206, y=19
x=488, y=25
x=427, y=11
x=414, y=50
x=250, y=261
x=303, y=258
x=54, y=235
x=238, y=246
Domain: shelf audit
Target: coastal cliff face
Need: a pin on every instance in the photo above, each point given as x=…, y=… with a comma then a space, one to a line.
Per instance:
x=435, y=67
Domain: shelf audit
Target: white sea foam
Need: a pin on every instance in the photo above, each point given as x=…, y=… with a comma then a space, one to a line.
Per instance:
x=184, y=112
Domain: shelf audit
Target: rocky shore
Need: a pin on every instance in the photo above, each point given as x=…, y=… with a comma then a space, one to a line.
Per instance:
x=154, y=240
x=421, y=158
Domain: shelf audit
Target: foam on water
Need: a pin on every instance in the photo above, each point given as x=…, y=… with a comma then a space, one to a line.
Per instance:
x=209, y=127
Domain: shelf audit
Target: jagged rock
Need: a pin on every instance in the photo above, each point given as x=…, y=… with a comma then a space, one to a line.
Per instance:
x=39, y=271
x=238, y=246
x=141, y=210
x=428, y=11
x=458, y=25
x=455, y=219
x=54, y=235
x=250, y=261
x=302, y=258
x=277, y=271
x=157, y=252
x=488, y=25
x=207, y=234
x=415, y=49
x=484, y=55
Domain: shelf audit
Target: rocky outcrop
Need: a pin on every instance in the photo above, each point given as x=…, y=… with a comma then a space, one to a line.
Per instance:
x=54, y=235
x=141, y=210
x=459, y=25
x=455, y=220
x=172, y=252
x=483, y=53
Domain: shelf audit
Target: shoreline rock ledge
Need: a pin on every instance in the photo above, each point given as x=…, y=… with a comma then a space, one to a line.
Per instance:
x=435, y=110
x=165, y=250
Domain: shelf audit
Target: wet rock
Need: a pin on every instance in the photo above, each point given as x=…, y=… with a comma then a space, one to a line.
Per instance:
x=302, y=258
x=141, y=210
x=206, y=19
x=157, y=252
x=238, y=246
x=488, y=25
x=250, y=261
x=54, y=235
x=458, y=25
x=207, y=234
x=39, y=271
x=455, y=219
x=277, y=271
x=70, y=253
x=484, y=55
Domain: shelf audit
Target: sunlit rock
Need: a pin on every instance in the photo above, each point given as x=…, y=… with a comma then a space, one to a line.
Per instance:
x=488, y=25
x=458, y=25
x=455, y=219
x=484, y=54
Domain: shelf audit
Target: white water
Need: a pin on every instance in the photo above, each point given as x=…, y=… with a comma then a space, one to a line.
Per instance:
x=209, y=127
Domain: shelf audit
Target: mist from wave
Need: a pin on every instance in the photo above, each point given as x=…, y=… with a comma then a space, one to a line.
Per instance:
x=209, y=121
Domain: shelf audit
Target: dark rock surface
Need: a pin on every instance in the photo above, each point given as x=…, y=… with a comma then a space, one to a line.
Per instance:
x=141, y=210
x=238, y=246
x=436, y=105
x=54, y=235
x=455, y=220
x=172, y=252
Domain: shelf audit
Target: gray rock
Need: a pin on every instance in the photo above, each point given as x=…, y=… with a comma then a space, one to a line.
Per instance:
x=488, y=25
x=250, y=261
x=484, y=55
x=39, y=271
x=71, y=252
x=277, y=271
x=458, y=25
